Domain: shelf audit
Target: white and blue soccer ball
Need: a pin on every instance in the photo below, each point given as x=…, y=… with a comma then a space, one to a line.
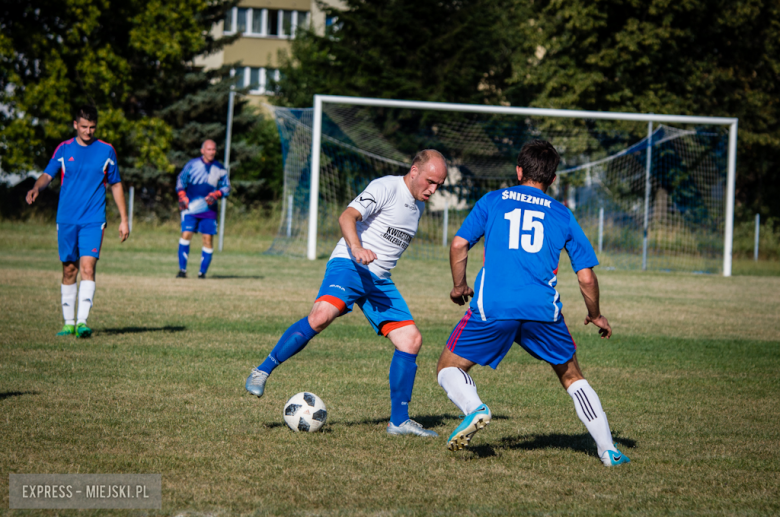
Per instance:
x=305, y=412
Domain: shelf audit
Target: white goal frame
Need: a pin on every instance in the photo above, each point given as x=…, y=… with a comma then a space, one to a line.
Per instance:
x=650, y=118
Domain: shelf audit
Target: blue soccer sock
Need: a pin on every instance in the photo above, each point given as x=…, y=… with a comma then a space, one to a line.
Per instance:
x=403, y=370
x=292, y=341
x=205, y=259
x=184, y=251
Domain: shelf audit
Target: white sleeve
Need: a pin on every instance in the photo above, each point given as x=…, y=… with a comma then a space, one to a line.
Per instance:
x=371, y=200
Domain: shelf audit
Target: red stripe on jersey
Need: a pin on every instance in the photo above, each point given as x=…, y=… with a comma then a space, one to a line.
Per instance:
x=567, y=330
x=388, y=326
x=337, y=303
x=458, y=331
x=111, y=146
x=66, y=142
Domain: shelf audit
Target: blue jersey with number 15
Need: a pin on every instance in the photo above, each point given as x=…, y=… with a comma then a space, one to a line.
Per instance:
x=525, y=231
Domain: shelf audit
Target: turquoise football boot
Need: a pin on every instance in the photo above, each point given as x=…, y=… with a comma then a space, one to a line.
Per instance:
x=472, y=423
x=614, y=458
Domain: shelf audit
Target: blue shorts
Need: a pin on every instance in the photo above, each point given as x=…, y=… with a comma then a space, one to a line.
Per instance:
x=190, y=223
x=79, y=240
x=487, y=342
x=347, y=283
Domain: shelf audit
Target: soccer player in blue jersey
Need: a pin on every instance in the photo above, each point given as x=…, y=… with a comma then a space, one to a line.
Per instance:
x=85, y=165
x=378, y=226
x=515, y=301
x=200, y=184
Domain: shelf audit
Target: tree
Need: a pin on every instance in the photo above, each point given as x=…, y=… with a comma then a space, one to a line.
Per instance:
x=696, y=57
x=452, y=50
x=127, y=58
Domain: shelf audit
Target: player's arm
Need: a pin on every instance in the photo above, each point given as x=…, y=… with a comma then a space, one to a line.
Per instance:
x=459, y=258
x=41, y=183
x=223, y=189
x=589, y=287
x=348, y=223
x=118, y=191
x=181, y=187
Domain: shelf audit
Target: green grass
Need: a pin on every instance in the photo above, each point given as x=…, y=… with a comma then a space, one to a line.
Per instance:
x=689, y=381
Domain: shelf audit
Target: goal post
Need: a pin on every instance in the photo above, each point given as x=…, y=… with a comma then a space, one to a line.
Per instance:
x=316, y=140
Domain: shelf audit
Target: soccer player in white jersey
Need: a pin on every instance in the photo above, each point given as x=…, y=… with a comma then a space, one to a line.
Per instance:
x=516, y=301
x=377, y=226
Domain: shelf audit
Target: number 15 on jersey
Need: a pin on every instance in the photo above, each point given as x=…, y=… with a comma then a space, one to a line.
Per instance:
x=532, y=221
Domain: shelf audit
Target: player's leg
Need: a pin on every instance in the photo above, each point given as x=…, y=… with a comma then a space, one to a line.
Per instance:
x=87, y=265
x=67, y=244
x=294, y=339
x=69, y=291
x=189, y=226
x=208, y=248
x=552, y=342
x=340, y=287
x=407, y=340
x=452, y=375
x=472, y=341
x=588, y=407
x=90, y=243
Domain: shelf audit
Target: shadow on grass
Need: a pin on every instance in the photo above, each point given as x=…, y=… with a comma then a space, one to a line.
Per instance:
x=139, y=330
x=227, y=277
x=427, y=421
x=581, y=442
x=8, y=394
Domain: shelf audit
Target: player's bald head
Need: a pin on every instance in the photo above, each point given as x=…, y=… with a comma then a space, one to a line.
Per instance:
x=428, y=172
x=209, y=150
x=426, y=155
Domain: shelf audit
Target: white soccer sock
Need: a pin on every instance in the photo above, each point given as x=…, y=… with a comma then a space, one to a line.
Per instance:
x=86, y=295
x=69, y=293
x=588, y=407
x=460, y=389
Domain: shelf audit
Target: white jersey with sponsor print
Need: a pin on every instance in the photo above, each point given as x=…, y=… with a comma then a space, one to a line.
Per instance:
x=390, y=216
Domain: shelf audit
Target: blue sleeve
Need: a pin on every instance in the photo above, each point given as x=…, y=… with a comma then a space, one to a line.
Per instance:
x=579, y=248
x=184, y=178
x=55, y=165
x=224, y=182
x=473, y=228
x=112, y=168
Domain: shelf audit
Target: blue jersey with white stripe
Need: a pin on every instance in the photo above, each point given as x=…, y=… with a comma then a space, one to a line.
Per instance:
x=199, y=179
x=525, y=231
x=84, y=171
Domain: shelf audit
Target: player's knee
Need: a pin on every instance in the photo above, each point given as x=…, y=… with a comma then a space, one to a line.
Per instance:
x=412, y=342
x=321, y=316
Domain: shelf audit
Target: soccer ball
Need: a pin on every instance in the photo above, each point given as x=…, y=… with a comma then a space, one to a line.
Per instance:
x=305, y=412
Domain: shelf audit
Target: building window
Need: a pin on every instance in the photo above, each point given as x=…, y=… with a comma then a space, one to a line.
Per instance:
x=257, y=21
x=259, y=80
x=273, y=23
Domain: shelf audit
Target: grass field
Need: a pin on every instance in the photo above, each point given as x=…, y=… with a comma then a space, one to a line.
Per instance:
x=689, y=380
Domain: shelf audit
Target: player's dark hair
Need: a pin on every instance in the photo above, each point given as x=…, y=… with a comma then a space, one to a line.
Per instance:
x=86, y=112
x=425, y=155
x=539, y=161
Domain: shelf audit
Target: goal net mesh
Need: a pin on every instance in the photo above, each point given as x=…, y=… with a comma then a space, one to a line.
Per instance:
x=601, y=178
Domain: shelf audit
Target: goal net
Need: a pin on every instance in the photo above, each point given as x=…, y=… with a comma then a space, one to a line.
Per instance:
x=647, y=196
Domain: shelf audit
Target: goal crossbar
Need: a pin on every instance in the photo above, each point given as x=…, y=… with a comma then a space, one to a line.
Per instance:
x=650, y=118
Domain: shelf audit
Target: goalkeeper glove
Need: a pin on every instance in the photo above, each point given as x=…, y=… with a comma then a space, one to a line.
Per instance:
x=184, y=203
x=212, y=198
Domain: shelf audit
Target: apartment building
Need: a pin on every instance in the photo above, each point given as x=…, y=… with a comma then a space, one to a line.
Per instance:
x=265, y=28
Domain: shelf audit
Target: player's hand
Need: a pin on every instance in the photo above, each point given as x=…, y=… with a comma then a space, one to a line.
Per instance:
x=124, y=231
x=363, y=256
x=460, y=294
x=212, y=198
x=184, y=202
x=32, y=195
x=601, y=322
